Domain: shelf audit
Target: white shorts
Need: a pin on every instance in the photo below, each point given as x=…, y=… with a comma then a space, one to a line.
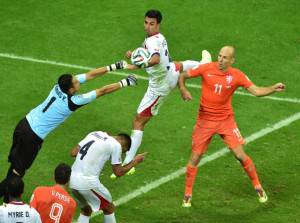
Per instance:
x=150, y=103
x=97, y=198
x=153, y=98
x=173, y=75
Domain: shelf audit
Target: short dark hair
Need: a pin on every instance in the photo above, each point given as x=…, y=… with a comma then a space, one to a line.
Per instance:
x=126, y=138
x=62, y=173
x=65, y=82
x=15, y=187
x=153, y=13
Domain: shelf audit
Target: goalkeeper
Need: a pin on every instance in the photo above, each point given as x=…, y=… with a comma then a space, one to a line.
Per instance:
x=62, y=101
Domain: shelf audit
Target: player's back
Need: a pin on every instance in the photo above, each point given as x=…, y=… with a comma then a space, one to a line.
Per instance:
x=18, y=212
x=54, y=204
x=49, y=114
x=56, y=108
x=95, y=149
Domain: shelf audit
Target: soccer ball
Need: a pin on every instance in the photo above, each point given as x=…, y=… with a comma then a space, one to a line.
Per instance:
x=140, y=57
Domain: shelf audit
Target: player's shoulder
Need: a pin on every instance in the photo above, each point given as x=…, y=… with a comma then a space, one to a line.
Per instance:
x=157, y=38
x=42, y=191
x=42, y=188
x=204, y=67
x=235, y=71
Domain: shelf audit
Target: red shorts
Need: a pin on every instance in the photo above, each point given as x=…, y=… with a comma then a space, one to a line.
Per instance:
x=205, y=129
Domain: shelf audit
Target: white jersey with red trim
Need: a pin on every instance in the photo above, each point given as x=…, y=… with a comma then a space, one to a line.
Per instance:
x=95, y=150
x=18, y=211
x=158, y=74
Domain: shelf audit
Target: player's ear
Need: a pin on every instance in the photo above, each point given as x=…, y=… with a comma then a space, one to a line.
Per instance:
x=232, y=60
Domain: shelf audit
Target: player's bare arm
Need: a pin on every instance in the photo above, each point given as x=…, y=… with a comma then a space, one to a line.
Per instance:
x=96, y=73
x=74, y=151
x=103, y=70
x=155, y=59
x=120, y=170
x=129, y=81
x=185, y=94
x=264, y=91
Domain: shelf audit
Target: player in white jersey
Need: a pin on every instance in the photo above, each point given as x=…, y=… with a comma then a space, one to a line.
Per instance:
x=16, y=211
x=163, y=77
x=91, y=155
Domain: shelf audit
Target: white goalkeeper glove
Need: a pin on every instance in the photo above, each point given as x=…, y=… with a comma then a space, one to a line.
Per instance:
x=122, y=64
x=130, y=80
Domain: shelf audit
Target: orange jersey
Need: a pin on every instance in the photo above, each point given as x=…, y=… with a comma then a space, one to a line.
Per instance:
x=217, y=89
x=54, y=204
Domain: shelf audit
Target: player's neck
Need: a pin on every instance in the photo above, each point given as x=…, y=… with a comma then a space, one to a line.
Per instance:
x=153, y=34
x=15, y=200
x=63, y=186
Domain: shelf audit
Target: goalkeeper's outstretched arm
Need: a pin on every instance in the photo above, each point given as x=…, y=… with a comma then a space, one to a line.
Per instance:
x=130, y=80
x=103, y=70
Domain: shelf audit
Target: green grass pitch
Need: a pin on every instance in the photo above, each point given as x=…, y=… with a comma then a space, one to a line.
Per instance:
x=93, y=33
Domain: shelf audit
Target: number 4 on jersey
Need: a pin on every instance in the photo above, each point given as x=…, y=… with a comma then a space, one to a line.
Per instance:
x=83, y=150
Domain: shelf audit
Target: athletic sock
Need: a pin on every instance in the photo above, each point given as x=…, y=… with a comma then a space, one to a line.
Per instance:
x=250, y=169
x=189, y=64
x=83, y=219
x=136, y=140
x=109, y=218
x=191, y=173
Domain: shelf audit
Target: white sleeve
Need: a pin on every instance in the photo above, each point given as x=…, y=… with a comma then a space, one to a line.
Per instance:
x=36, y=215
x=152, y=45
x=1, y=214
x=116, y=154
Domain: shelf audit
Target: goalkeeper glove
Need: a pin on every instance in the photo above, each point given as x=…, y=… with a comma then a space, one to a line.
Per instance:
x=130, y=80
x=122, y=64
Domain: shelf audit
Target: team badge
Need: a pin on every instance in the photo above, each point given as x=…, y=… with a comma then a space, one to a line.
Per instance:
x=229, y=79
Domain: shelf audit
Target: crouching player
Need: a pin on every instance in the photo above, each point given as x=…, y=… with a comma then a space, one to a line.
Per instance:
x=91, y=155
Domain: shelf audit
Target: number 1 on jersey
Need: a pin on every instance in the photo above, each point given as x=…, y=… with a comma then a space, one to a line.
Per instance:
x=49, y=103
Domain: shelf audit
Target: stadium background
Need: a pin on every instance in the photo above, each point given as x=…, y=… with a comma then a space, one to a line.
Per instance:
x=93, y=33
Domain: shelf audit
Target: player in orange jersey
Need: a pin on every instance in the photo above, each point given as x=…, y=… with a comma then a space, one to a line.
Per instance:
x=215, y=116
x=54, y=204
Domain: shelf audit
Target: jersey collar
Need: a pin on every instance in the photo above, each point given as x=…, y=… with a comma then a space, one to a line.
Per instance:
x=153, y=34
x=17, y=202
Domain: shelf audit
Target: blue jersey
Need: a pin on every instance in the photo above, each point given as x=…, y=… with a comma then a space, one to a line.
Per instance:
x=56, y=108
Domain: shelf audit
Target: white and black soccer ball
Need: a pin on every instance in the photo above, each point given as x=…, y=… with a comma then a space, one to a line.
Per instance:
x=140, y=57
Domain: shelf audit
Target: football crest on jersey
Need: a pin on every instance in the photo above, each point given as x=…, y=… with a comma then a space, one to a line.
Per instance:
x=229, y=79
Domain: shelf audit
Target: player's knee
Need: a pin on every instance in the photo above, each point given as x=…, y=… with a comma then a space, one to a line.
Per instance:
x=194, y=159
x=239, y=154
x=139, y=122
x=86, y=210
x=109, y=209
